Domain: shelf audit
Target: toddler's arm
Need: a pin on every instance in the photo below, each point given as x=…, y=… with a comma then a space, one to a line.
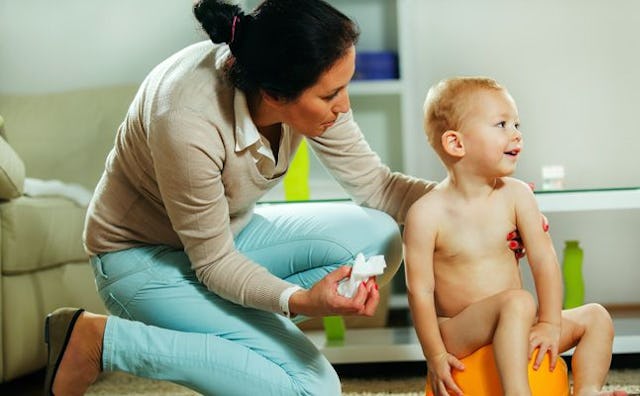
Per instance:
x=419, y=243
x=545, y=270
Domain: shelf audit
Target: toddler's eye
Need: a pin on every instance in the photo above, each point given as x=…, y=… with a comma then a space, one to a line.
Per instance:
x=501, y=124
x=517, y=125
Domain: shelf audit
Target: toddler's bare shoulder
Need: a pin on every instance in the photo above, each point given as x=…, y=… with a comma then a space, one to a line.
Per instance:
x=430, y=204
x=516, y=186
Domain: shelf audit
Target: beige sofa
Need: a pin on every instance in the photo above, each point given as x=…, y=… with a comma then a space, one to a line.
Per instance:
x=66, y=137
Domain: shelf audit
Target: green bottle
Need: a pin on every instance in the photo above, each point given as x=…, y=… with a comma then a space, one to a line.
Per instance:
x=296, y=181
x=334, y=328
x=572, y=275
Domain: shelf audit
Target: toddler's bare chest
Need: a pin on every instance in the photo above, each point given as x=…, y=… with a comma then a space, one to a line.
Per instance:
x=476, y=234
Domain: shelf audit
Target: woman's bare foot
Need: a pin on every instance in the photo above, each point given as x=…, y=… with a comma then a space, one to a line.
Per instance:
x=81, y=362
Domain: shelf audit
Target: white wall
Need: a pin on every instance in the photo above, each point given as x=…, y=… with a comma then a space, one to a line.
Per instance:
x=572, y=67
x=49, y=46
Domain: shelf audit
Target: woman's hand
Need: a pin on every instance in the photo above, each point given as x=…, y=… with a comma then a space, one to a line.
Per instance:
x=323, y=298
x=515, y=242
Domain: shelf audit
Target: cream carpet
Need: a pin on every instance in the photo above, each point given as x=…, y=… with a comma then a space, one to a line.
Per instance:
x=114, y=384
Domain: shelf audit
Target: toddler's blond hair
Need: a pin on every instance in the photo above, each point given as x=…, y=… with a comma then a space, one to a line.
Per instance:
x=445, y=105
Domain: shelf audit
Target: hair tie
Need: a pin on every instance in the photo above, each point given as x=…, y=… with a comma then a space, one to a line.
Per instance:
x=233, y=28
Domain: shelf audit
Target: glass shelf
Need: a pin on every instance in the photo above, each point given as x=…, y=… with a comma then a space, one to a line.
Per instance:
x=375, y=87
x=588, y=199
x=548, y=200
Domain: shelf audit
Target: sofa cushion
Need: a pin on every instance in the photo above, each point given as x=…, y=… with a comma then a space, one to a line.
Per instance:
x=38, y=233
x=66, y=135
x=11, y=172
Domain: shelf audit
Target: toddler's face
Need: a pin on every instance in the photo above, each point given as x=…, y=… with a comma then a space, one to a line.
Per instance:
x=490, y=129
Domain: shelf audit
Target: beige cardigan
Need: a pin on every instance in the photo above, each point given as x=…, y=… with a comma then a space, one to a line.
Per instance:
x=176, y=176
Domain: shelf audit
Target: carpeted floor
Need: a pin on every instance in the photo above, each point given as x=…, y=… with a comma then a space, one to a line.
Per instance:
x=359, y=380
x=125, y=385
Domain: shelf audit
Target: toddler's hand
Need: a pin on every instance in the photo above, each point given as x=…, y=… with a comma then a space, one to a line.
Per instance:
x=440, y=368
x=546, y=338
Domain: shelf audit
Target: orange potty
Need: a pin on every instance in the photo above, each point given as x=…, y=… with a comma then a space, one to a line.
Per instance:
x=480, y=377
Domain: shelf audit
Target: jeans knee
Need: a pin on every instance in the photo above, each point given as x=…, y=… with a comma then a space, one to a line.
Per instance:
x=385, y=236
x=322, y=381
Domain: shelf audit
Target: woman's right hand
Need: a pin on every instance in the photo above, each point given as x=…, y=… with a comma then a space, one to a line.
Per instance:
x=323, y=298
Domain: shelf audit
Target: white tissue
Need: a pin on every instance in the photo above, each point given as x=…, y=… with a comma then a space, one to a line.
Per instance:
x=360, y=272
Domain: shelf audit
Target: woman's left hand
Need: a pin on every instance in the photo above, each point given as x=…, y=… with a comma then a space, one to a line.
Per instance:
x=515, y=242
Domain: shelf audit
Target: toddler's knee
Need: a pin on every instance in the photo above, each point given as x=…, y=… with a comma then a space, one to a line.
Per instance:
x=519, y=302
x=597, y=316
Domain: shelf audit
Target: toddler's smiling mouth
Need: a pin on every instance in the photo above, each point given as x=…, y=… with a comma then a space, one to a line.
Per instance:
x=513, y=152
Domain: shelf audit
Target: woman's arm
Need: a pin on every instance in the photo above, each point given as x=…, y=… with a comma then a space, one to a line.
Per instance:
x=343, y=150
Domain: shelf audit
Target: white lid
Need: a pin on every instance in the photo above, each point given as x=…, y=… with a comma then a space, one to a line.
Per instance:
x=552, y=171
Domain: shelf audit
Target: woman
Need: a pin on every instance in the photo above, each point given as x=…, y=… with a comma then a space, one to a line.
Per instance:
x=200, y=283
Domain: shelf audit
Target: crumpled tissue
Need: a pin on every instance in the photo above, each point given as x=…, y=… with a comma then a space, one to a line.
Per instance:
x=361, y=271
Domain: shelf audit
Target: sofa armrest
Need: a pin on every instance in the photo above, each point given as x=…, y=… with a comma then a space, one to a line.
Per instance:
x=37, y=233
x=12, y=172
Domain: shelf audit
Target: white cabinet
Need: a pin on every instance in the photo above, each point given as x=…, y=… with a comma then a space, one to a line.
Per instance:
x=380, y=106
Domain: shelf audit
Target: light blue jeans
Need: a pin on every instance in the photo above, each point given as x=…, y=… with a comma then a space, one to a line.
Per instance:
x=167, y=325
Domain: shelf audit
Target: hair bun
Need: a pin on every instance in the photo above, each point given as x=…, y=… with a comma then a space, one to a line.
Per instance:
x=220, y=20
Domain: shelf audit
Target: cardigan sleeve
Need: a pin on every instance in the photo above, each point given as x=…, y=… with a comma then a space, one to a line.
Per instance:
x=343, y=150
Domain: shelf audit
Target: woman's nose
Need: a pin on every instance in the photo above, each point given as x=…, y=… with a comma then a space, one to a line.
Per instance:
x=342, y=103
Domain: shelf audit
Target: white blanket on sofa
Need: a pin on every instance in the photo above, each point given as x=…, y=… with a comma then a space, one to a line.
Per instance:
x=73, y=191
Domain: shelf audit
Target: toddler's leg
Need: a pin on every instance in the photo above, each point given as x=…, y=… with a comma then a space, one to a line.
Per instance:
x=589, y=328
x=505, y=320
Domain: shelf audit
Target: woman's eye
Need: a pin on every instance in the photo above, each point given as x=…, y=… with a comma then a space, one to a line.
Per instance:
x=333, y=95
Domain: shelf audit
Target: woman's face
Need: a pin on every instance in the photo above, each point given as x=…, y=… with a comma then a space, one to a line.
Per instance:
x=317, y=108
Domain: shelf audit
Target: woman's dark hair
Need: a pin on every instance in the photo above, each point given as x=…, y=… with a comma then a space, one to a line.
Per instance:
x=283, y=46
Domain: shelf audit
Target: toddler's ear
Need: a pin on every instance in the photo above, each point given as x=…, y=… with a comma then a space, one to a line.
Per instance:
x=452, y=143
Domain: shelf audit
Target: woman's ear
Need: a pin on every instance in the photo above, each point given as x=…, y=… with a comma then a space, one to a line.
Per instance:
x=452, y=143
x=270, y=99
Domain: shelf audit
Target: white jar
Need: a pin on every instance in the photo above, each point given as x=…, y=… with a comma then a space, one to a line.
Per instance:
x=552, y=177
